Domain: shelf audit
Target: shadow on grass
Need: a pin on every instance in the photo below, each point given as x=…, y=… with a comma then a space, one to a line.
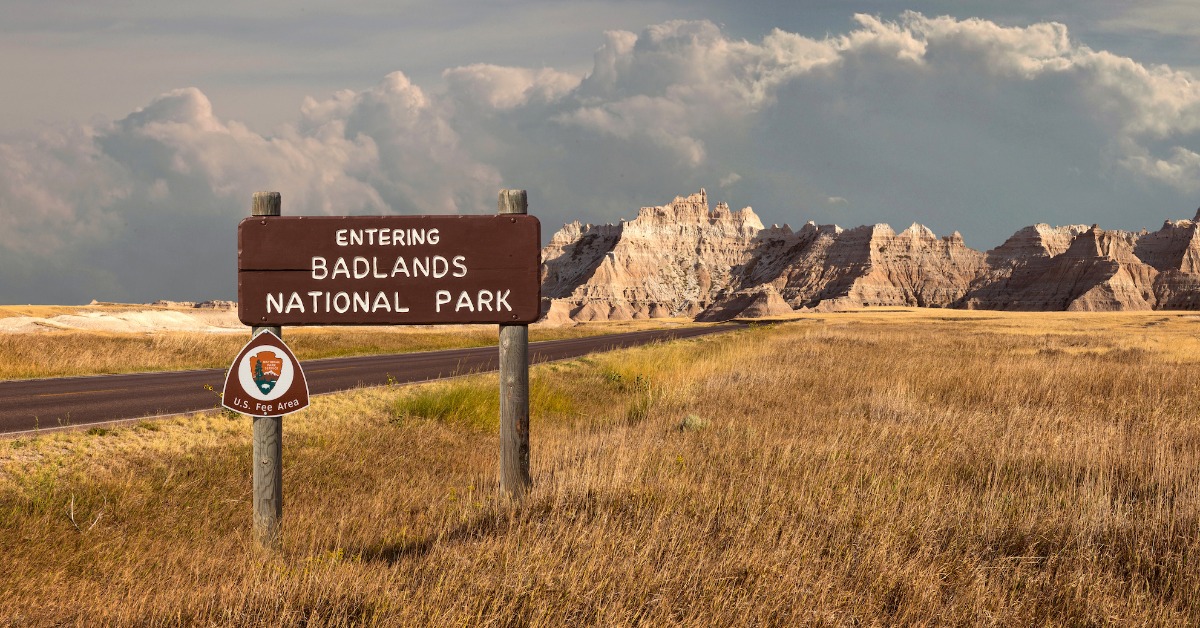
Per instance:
x=584, y=508
x=479, y=528
x=507, y=519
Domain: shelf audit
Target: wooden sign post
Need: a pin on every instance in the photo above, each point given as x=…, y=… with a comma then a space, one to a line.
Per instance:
x=514, y=383
x=392, y=270
x=267, y=492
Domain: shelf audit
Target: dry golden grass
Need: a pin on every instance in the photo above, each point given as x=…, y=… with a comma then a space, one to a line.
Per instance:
x=845, y=469
x=64, y=353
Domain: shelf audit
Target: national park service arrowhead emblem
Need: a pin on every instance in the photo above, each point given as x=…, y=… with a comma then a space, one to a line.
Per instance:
x=265, y=379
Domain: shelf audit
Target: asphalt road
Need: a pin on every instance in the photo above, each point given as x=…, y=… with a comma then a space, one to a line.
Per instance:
x=50, y=403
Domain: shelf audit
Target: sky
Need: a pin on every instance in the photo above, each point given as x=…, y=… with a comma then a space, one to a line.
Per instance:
x=133, y=134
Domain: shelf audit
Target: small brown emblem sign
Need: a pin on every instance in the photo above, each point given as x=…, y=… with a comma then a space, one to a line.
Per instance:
x=265, y=379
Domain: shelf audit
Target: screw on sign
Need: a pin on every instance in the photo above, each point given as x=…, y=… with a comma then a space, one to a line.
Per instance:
x=265, y=379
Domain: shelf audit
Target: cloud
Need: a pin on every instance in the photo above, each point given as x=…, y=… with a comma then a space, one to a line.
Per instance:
x=964, y=124
x=1177, y=17
x=503, y=88
x=1181, y=169
x=151, y=201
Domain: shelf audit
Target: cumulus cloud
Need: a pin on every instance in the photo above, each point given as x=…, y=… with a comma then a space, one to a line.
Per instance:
x=151, y=201
x=963, y=124
x=503, y=88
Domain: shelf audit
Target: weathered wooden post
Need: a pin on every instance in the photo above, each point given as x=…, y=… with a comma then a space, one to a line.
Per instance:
x=514, y=384
x=268, y=433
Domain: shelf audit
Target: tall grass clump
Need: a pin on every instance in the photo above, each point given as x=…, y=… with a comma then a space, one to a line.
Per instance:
x=475, y=403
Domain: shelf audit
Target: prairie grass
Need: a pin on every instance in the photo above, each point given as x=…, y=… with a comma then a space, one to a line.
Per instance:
x=873, y=468
x=65, y=353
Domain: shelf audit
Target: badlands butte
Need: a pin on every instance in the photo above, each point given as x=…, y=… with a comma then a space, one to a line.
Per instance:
x=685, y=259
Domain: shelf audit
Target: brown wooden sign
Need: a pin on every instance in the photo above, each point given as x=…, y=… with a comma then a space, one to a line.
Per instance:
x=389, y=270
x=265, y=379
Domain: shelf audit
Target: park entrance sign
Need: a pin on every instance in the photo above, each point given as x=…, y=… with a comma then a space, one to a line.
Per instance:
x=378, y=270
x=389, y=270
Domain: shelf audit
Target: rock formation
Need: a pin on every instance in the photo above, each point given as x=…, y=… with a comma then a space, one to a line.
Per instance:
x=829, y=267
x=1174, y=251
x=683, y=259
x=215, y=304
x=1022, y=259
x=669, y=261
x=1097, y=270
x=759, y=302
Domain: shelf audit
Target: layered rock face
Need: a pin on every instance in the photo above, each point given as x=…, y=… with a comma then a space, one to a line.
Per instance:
x=574, y=254
x=913, y=267
x=669, y=261
x=829, y=267
x=1023, y=259
x=759, y=302
x=1174, y=251
x=1096, y=270
x=683, y=259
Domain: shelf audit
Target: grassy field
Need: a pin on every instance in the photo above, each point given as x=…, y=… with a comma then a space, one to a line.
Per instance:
x=872, y=468
x=63, y=353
